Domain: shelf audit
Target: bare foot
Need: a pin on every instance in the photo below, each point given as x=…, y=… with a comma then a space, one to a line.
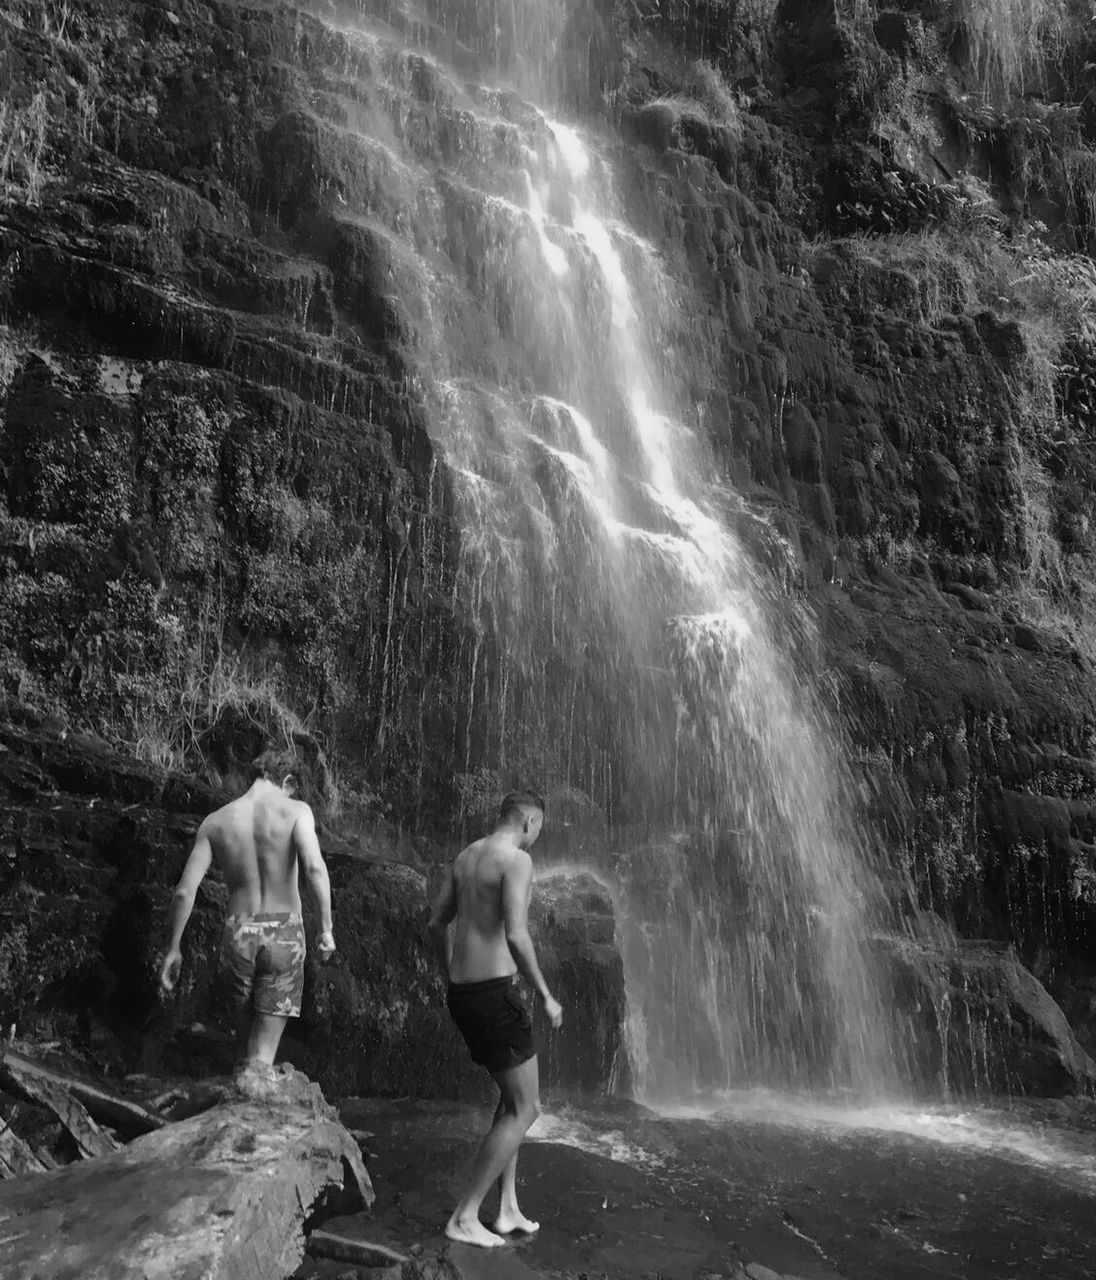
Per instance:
x=473, y=1232
x=514, y=1220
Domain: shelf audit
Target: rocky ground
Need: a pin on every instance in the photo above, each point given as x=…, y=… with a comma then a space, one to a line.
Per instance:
x=632, y=1196
x=256, y=1179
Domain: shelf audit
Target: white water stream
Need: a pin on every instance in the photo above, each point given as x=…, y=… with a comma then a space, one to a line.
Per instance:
x=625, y=647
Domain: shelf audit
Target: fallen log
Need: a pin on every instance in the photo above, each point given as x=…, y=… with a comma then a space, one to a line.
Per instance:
x=16, y=1158
x=90, y=1140
x=362, y=1253
x=221, y=1196
x=201, y=1098
x=130, y=1119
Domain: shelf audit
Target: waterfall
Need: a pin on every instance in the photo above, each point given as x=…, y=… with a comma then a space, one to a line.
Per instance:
x=625, y=646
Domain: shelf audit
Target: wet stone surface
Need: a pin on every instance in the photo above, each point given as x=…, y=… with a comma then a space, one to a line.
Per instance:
x=630, y=1196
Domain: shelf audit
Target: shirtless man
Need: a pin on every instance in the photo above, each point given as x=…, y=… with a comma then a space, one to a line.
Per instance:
x=487, y=893
x=255, y=842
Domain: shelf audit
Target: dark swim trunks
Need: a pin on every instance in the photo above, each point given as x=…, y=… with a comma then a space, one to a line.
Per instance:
x=262, y=962
x=494, y=1022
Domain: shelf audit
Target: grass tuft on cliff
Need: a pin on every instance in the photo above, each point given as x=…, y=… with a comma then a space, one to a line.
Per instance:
x=50, y=98
x=23, y=141
x=704, y=96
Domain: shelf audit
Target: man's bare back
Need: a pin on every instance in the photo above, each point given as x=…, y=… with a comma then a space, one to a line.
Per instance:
x=253, y=841
x=480, y=873
x=257, y=843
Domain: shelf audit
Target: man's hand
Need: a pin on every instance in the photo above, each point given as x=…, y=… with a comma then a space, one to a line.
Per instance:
x=554, y=1010
x=326, y=944
x=169, y=970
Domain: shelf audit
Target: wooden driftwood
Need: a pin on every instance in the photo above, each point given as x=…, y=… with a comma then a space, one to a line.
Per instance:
x=221, y=1196
x=342, y=1248
x=194, y=1101
x=90, y=1140
x=30, y=1079
x=16, y=1157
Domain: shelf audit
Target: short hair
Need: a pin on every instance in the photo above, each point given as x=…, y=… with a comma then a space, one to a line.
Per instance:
x=513, y=804
x=279, y=767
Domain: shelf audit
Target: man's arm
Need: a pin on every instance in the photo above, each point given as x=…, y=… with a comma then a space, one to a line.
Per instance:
x=517, y=890
x=182, y=904
x=315, y=869
x=445, y=910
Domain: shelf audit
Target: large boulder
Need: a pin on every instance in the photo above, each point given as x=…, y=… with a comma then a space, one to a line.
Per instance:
x=374, y=1018
x=982, y=1023
x=573, y=922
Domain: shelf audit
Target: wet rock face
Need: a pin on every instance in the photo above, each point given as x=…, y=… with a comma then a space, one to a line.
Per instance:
x=982, y=1022
x=880, y=425
x=215, y=444
x=206, y=401
x=985, y=790
x=575, y=931
x=374, y=1018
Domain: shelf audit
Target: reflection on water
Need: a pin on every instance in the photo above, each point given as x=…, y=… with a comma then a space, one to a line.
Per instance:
x=566, y=1131
x=1020, y=1134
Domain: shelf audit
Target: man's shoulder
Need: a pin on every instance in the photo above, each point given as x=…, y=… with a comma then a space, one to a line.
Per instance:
x=489, y=850
x=284, y=809
x=497, y=845
x=474, y=847
x=514, y=858
x=213, y=822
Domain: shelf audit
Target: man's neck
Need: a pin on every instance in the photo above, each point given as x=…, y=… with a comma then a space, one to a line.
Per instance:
x=510, y=832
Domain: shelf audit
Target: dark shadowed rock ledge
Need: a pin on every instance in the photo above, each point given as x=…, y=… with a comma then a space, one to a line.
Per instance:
x=91, y=843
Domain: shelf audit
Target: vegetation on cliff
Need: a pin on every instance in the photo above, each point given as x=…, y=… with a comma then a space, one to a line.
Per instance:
x=168, y=561
x=218, y=495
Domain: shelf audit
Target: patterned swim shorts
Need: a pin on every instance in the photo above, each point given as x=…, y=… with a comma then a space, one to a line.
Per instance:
x=262, y=962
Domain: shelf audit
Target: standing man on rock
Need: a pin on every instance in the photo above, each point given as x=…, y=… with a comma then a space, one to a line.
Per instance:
x=487, y=894
x=256, y=843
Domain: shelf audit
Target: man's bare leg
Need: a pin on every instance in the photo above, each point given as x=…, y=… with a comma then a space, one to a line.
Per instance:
x=510, y=1218
x=265, y=1036
x=518, y=1107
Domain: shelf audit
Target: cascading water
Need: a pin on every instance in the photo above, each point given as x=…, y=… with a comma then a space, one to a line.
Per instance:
x=624, y=643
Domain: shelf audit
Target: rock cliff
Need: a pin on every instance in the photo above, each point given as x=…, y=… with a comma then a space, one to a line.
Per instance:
x=221, y=494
